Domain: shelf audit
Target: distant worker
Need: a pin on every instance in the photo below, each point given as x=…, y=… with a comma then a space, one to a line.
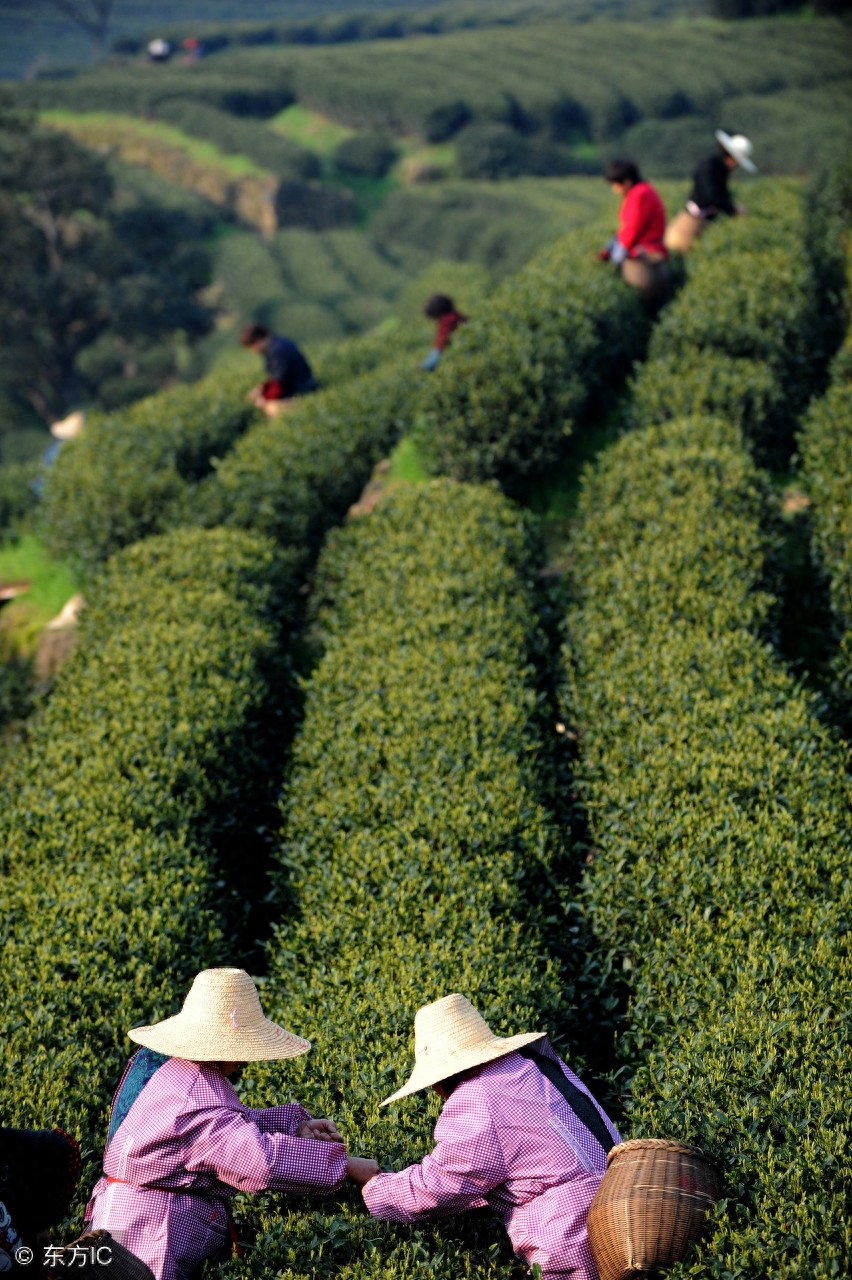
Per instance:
x=638, y=248
x=441, y=309
x=288, y=373
x=711, y=195
x=159, y=51
x=519, y=1133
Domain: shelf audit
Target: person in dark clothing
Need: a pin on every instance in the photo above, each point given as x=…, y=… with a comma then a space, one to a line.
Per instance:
x=39, y=1172
x=711, y=195
x=440, y=308
x=288, y=373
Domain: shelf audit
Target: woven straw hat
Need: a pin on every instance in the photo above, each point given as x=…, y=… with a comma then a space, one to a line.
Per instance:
x=221, y=1021
x=69, y=428
x=450, y=1036
x=738, y=146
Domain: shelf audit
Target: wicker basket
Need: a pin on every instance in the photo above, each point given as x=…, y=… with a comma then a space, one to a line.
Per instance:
x=652, y=1203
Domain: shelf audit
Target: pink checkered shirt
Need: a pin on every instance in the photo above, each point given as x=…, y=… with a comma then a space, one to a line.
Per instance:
x=507, y=1139
x=186, y=1145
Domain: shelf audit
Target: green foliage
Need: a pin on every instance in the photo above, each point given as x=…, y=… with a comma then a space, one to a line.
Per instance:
x=825, y=451
x=15, y=691
x=754, y=297
x=130, y=474
x=79, y=271
x=294, y=476
x=16, y=495
x=519, y=376
x=719, y=814
x=718, y=803
x=570, y=82
x=417, y=851
x=239, y=135
x=133, y=775
x=368, y=153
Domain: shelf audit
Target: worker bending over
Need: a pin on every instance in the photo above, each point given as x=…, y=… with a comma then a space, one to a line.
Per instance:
x=638, y=248
x=518, y=1133
x=288, y=373
x=711, y=195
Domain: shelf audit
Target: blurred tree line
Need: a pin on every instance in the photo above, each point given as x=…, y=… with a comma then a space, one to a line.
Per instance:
x=100, y=302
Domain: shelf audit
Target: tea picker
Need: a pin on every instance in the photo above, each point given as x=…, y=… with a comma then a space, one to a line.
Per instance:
x=180, y=1142
x=710, y=197
x=521, y=1134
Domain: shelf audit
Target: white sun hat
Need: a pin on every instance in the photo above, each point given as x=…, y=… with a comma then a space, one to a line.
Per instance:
x=221, y=1021
x=738, y=146
x=69, y=428
x=450, y=1036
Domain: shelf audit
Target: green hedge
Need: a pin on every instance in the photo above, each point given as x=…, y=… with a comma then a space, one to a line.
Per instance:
x=825, y=449
x=111, y=814
x=720, y=818
x=17, y=497
x=294, y=476
x=520, y=375
x=130, y=474
x=415, y=845
x=757, y=296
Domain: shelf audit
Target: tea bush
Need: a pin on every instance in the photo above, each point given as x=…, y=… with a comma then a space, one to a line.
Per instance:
x=112, y=812
x=294, y=476
x=719, y=809
x=759, y=296
x=718, y=803
x=129, y=474
x=825, y=448
x=415, y=854
x=519, y=375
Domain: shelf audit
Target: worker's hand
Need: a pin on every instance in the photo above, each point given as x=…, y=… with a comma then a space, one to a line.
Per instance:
x=360, y=1169
x=741, y=209
x=603, y=255
x=320, y=1130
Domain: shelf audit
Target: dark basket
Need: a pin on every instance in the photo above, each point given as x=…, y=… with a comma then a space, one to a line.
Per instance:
x=651, y=1205
x=100, y=1257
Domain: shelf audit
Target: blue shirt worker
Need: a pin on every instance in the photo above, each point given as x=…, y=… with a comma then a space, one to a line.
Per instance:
x=288, y=374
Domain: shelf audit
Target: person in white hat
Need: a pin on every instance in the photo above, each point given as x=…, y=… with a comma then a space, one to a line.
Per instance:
x=180, y=1142
x=519, y=1132
x=710, y=195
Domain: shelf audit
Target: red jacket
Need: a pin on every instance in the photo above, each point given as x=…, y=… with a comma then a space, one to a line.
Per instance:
x=643, y=222
x=446, y=327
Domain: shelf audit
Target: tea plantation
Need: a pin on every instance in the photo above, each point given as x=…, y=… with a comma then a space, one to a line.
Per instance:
x=687, y=883
x=718, y=802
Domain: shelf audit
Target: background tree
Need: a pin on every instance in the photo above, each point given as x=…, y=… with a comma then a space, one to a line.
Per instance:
x=94, y=298
x=93, y=16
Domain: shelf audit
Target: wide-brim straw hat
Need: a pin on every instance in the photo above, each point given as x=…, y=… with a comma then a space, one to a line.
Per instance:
x=69, y=428
x=738, y=146
x=221, y=1021
x=449, y=1037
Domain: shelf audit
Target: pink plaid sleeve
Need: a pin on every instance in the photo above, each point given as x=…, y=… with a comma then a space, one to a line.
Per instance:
x=285, y=1119
x=240, y=1155
x=466, y=1164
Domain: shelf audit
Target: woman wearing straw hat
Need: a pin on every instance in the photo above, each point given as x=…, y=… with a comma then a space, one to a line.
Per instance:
x=180, y=1142
x=518, y=1132
x=710, y=194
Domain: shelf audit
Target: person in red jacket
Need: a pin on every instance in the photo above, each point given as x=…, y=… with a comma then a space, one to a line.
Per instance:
x=638, y=248
x=447, y=319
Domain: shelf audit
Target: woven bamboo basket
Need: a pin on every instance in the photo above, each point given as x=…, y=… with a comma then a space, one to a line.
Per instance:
x=652, y=1203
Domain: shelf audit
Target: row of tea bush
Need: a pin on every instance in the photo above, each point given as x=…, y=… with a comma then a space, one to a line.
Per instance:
x=119, y=813
x=719, y=804
x=825, y=451
x=498, y=407
x=415, y=854
x=749, y=338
